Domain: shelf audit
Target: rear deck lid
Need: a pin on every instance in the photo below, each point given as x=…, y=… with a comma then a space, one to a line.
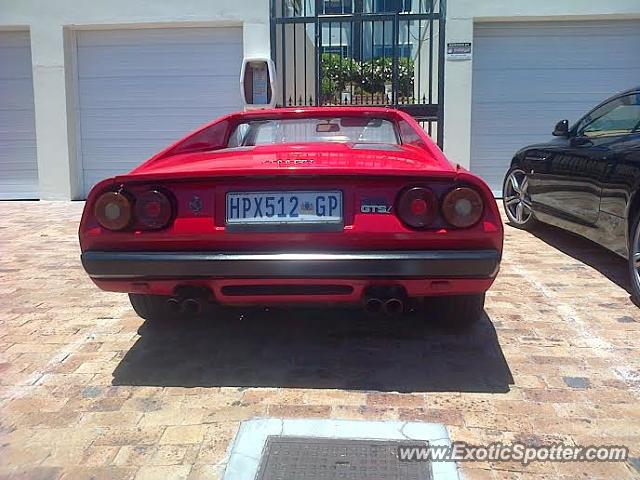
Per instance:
x=293, y=159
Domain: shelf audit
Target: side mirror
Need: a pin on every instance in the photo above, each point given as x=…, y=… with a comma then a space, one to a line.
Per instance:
x=561, y=129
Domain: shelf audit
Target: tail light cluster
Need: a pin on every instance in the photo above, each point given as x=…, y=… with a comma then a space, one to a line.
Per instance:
x=418, y=207
x=150, y=210
x=461, y=207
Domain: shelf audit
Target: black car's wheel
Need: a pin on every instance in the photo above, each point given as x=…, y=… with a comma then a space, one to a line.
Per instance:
x=516, y=200
x=456, y=312
x=634, y=258
x=151, y=307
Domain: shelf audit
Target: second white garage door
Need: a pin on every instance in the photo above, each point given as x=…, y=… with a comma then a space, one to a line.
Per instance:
x=18, y=164
x=527, y=76
x=140, y=90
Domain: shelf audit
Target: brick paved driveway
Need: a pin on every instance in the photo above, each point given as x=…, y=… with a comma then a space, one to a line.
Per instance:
x=88, y=391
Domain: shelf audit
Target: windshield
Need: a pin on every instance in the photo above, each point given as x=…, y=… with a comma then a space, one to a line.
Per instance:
x=306, y=130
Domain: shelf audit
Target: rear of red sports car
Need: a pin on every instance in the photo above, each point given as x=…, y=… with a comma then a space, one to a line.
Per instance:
x=317, y=205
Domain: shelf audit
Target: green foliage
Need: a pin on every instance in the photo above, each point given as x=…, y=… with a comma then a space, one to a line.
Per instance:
x=337, y=72
x=374, y=74
x=369, y=76
x=405, y=77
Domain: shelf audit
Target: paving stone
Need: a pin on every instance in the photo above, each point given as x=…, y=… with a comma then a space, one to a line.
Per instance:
x=299, y=411
x=99, y=455
x=206, y=472
x=432, y=415
x=87, y=390
x=169, y=455
x=364, y=412
x=174, y=416
x=31, y=473
x=182, y=434
x=175, y=472
x=580, y=383
x=98, y=473
x=135, y=454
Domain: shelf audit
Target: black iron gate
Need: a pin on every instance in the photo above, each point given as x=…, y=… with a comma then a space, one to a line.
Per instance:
x=362, y=52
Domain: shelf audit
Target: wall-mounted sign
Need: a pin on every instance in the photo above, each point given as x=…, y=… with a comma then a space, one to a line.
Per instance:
x=260, y=83
x=257, y=83
x=459, y=51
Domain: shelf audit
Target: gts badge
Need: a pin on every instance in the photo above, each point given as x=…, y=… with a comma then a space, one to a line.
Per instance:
x=374, y=205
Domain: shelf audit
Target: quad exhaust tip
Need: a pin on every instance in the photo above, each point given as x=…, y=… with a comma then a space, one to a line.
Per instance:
x=389, y=300
x=393, y=307
x=189, y=306
x=373, y=305
x=173, y=305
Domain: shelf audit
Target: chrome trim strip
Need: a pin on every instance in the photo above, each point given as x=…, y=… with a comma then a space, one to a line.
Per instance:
x=376, y=264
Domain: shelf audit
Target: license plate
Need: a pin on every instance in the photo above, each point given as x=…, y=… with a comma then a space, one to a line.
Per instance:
x=295, y=208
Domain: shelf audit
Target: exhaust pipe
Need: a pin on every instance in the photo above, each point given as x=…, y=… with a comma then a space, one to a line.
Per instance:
x=393, y=307
x=173, y=305
x=191, y=306
x=372, y=305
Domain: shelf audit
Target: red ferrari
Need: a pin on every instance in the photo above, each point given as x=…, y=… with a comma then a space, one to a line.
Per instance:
x=340, y=205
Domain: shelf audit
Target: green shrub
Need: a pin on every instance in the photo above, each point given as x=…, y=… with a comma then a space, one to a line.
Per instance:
x=405, y=77
x=369, y=76
x=337, y=72
x=374, y=74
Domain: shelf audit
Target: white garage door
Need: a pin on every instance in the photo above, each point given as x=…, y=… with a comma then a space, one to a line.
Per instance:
x=140, y=90
x=18, y=164
x=526, y=77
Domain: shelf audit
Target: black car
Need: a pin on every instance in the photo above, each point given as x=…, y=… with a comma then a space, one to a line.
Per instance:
x=586, y=180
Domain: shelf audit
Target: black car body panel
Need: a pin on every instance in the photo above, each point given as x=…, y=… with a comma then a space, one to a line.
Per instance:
x=587, y=182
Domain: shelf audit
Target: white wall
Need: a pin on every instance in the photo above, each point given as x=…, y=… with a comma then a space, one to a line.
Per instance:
x=52, y=25
x=461, y=15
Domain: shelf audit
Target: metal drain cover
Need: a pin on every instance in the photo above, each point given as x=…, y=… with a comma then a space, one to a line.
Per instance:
x=312, y=458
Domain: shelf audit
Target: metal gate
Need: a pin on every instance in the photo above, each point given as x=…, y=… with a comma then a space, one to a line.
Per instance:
x=362, y=52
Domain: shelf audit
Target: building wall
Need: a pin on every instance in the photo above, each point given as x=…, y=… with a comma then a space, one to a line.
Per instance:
x=52, y=25
x=461, y=15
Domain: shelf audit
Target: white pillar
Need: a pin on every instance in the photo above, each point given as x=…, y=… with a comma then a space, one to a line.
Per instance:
x=457, y=95
x=256, y=38
x=56, y=175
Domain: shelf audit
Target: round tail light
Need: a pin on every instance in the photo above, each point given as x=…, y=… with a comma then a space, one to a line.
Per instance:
x=153, y=210
x=417, y=207
x=462, y=207
x=113, y=210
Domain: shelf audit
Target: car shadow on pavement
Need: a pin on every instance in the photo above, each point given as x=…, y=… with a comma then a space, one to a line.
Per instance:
x=612, y=266
x=316, y=348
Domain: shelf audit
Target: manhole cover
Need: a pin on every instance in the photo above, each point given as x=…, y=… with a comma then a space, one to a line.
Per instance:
x=293, y=458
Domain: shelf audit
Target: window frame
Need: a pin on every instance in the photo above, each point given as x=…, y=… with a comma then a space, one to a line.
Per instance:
x=253, y=133
x=579, y=127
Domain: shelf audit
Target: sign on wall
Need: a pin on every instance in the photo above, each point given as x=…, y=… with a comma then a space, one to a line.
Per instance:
x=257, y=82
x=459, y=51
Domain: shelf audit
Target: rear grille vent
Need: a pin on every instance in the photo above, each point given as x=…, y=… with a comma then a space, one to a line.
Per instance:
x=251, y=290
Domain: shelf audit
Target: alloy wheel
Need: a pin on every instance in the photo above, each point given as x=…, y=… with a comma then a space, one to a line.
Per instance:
x=516, y=197
x=635, y=257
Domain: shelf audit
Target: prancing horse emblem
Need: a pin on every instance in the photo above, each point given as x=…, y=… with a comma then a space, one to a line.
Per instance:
x=195, y=204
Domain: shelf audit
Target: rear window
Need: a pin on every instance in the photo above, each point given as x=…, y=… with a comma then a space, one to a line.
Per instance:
x=308, y=130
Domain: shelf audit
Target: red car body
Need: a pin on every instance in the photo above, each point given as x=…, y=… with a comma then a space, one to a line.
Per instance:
x=294, y=265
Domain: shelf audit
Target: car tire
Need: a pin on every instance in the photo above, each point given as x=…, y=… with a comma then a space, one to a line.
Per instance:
x=634, y=252
x=515, y=199
x=150, y=307
x=456, y=312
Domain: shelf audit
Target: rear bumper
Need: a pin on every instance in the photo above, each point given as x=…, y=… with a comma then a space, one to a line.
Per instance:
x=451, y=264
